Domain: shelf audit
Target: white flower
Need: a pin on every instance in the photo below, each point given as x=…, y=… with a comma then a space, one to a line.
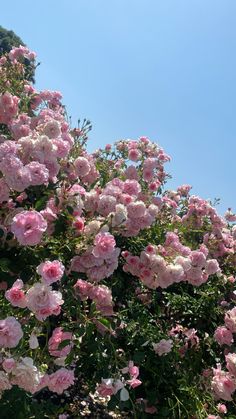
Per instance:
x=33, y=341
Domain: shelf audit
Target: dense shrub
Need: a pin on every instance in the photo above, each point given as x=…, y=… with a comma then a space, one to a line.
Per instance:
x=105, y=275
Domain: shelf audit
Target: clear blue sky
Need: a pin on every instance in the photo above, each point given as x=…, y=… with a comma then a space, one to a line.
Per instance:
x=161, y=68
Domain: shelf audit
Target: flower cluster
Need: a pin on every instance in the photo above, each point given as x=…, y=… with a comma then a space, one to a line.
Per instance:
x=161, y=266
x=100, y=265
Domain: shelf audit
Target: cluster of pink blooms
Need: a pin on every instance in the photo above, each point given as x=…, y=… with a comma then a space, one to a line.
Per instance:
x=100, y=260
x=185, y=338
x=163, y=347
x=25, y=375
x=162, y=266
x=18, y=52
x=40, y=298
x=8, y=107
x=111, y=386
x=100, y=201
x=100, y=294
x=59, y=336
x=224, y=382
x=123, y=204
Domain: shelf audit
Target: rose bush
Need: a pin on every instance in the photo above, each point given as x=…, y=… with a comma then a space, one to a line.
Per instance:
x=105, y=275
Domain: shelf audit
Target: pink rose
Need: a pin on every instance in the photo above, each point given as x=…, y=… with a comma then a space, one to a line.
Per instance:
x=82, y=166
x=28, y=227
x=51, y=271
x=212, y=266
x=104, y=245
x=223, y=336
x=39, y=174
x=222, y=408
x=82, y=289
x=10, y=332
x=57, y=337
x=163, y=347
x=231, y=363
x=230, y=320
x=8, y=364
x=223, y=384
x=4, y=382
x=60, y=380
x=43, y=302
x=15, y=294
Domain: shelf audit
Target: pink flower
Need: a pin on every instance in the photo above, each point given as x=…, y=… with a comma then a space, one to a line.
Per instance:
x=198, y=259
x=39, y=174
x=26, y=375
x=134, y=154
x=8, y=364
x=78, y=224
x=82, y=288
x=61, y=380
x=51, y=271
x=163, y=347
x=43, y=302
x=52, y=129
x=136, y=209
x=230, y=320
x=4, y=191
x=134, y=382
x=10, y=332
x=15, y=294
x=223, y=336
x=104, y=245
x=222, y=408
x=132, y=187
x=28, y=227
x=231, y=363
x=109, y=386
x=82, y=166
x=103, y=299
x=4, y=382
x=8, y=107
x=223, y=384
x=55, y=340
x=212, y=266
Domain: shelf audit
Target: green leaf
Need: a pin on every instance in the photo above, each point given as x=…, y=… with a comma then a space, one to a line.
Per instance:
x=4, y=264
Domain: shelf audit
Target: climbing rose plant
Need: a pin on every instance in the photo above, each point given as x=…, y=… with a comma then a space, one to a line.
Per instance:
x=105, y=275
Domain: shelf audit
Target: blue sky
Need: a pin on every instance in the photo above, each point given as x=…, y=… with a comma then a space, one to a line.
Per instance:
x=161, y=68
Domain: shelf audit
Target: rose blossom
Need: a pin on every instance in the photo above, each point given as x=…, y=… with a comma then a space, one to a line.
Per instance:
x=39, y=174
x=15, y=294
x=57, y=337
x=104, y=245
x=223, y=336
x=109, y=386
x=51, y=271
x=231, y=363
x=60, y=380
x=82, y=289
x=4, y=382
x=4, y=191
x=28, y=227
x=8, y=364
x=163, y=347
x=82, y=166
x=26, y=375
x=223, y=384
x=43, y=302
x=10, y=332
x=230, y=320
